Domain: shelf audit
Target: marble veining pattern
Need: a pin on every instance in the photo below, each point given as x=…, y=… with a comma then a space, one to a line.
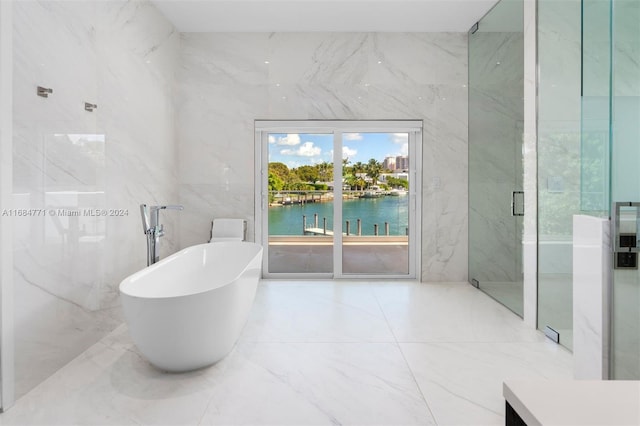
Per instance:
x=307, y=356
x=225, y=84
x=591, y=289
x=121, y=56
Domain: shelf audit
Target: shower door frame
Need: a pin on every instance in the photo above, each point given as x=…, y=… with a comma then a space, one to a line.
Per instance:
x=337, y=128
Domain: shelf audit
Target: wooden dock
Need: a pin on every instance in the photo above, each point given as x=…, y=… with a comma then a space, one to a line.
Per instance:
x=317, y=231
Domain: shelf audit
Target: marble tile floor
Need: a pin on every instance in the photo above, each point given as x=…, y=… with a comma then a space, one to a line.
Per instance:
x=509, y=293
x=314, y=353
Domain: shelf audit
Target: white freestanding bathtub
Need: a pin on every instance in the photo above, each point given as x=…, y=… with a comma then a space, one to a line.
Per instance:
x=187, y=311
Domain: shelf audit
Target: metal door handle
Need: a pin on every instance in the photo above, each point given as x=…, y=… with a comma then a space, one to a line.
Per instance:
x=514, y=210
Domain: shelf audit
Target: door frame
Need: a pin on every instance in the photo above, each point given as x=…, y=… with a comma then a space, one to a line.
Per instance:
x=338, y=128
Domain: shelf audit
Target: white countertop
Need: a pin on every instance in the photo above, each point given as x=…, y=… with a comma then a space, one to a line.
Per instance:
x=574, y=402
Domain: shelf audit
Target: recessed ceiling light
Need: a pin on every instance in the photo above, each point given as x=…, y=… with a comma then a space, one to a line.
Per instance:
x=266, y=62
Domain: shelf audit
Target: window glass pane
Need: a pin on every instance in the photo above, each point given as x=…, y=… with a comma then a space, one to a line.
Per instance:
x=300, y=212
x=375, y=212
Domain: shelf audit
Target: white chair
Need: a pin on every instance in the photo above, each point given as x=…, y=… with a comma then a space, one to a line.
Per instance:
x=228, y=230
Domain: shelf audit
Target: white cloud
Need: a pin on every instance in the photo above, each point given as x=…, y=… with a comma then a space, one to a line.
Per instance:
x=348, y=152
x=289, y=140
x=400, y=138
x=272, y=139
x=352, y=136
x=307, y=149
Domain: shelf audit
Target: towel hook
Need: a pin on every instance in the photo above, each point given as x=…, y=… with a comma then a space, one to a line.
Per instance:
x=44, y=91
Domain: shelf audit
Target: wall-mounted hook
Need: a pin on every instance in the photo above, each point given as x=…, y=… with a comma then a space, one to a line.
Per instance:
x=44, y=91
x=90, y=107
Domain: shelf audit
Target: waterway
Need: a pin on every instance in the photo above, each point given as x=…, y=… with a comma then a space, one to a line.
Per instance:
x=287, y=220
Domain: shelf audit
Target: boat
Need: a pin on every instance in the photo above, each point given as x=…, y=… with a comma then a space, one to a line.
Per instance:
x=371, y=194
x=288, y=201
x=395, y=192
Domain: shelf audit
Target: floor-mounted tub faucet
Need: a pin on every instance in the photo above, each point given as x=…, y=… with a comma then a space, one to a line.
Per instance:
x=153, y=229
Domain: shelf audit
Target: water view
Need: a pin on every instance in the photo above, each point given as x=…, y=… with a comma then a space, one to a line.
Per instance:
x=287, y=219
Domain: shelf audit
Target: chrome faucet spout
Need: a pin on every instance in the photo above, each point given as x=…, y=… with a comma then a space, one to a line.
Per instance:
x=153, y=229
x=155, y=212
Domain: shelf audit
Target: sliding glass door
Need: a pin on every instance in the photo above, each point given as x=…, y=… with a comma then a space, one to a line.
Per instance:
x=299, y=195
x=338, y=199
x=375, y=204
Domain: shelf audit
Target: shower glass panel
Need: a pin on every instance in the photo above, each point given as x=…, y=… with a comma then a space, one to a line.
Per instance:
x=610, y=154
x=496, y=112
x=625, y=178
x=560, y=194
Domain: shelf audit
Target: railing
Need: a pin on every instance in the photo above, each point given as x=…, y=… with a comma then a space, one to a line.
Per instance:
x=285, y=198
x=288, y=197
x=327, y=240
x=314, y=229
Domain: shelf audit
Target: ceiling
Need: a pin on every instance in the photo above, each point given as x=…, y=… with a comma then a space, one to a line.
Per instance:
x=323, y=15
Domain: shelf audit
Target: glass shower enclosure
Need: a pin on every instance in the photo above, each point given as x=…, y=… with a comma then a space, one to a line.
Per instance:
x=496, y=115
x=610, y=158
x=624, y=101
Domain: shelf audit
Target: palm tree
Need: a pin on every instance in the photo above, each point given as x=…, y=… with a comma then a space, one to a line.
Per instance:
x=358, y=167
x=373, y=169
x=325, y=171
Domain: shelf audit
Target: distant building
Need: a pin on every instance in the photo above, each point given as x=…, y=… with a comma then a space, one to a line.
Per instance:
x=396, y=174
x=402, y=162
x=389, y=163
x=401, y=175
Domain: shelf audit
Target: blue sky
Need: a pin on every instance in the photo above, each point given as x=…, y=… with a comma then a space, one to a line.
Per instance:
x=296, y=150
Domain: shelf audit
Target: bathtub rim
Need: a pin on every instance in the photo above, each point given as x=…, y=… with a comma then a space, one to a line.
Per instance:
x=127, y=281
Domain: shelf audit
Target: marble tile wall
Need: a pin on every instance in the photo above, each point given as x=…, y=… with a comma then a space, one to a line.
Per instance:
x=225, y=84
x=69, y=163
x=6, y=190
x=591, y=289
